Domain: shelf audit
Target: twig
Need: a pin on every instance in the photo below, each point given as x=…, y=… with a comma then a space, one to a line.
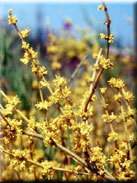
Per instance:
x=20, y=36
x=126, y=131
x=107, y=56
x=41, y=166
x=5, y=119
x=107, y=175
x=77, y=69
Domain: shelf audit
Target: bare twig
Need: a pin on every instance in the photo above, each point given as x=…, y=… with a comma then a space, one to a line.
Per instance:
x=77, y=69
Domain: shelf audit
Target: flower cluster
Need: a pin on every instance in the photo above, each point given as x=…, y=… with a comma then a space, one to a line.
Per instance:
x=109, y=38
x=105, y=63
x=116, y=83
x=91, y=124
x=12, y=19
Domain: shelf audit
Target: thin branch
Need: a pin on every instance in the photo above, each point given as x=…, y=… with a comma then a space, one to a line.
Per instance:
x=93, y=89
x=106, y=56
x=77, y=69
x=41, y=166
x=20, y=36
x=126, y=131
x=107, y=175
x=5, y=119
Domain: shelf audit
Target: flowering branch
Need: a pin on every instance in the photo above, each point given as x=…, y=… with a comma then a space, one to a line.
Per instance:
x=41, y=166
x=106, y=176
x=108, y=22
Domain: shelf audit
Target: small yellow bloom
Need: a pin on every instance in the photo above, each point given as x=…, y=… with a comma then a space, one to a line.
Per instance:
x=52, y=49
x=128, y=95
x=12, y=20
x=10, y=11
x=35, y=84
x=102, y=90
x=101, y=8
x=116, y=83
x=111, y=38
x=44, y=83
x=25, y=45
x=42, y=105
x=25, y=33
x=105, y=118
x=55, y=65
x=113, y=136
x=117, y=97
x=33, y=53
x=103, y=36
x=112, y=117
x=105, y=63
x=42, y=71
x=25, y=61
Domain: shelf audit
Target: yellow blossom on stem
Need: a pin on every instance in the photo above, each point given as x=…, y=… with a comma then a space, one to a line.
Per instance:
x=25, y=45
x=105, y=63
x=101, y=8
x=103, y=90
x=10, y=11
x=11, y=19
x=113, y=136
x=25, y=33
x=128, y=95
x=116, y=83
x=118, y=97
x=42, y=105
x=111, y=38
x=103, y=36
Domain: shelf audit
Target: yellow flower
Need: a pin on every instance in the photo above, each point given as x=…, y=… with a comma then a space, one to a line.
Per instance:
x=94, y=97
x=131, y=112
x=111, y=38
x=101, y=8
x=42, y=71
x=35, y=84
x=95, y=55
x=14, y=101
x=42, y=105
x=52, y=49
x=33, y=53
x=128, y=95
x=98, y=158
x=113, y=136
x=103, y=36
x=7, y=110
x=10, y=11
x=105, y=63
x=25, y=45
x=66, y=92
x=112, y=117
x=117, y=97
x=55, y=65
x=102, y=90
x=105, y=118
x=12, y=20
x=25, y=61
x=116, y=83
x=25, y=33
x=59, y=81
x=96, y=66
x=44, y=83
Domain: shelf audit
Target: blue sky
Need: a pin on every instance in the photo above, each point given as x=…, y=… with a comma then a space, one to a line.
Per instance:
x=119, y=12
